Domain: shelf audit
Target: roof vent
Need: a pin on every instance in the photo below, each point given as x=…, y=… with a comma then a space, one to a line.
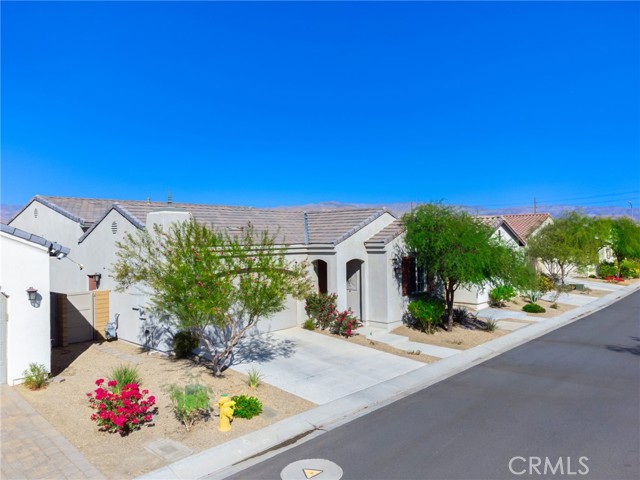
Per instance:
x=114, y=228
x=35, y=212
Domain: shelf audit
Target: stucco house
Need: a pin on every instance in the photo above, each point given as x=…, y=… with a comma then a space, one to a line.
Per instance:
x=351, y=252
x=25, y=306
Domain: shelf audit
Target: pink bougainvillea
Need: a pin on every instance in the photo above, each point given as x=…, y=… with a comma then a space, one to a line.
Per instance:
x=121, y=412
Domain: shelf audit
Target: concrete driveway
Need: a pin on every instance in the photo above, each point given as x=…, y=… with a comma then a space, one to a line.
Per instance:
x=317, y=367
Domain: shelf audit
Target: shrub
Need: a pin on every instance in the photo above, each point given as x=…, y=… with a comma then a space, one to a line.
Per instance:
x=427, y=313
x=606, y=269
x=345, y=324
x=462, y=315
x=501, y=294
x=185, y=342
x=190, y=403
x=321, y=307
x=122, y=411
x=614, y=279
x=309, y=324
x=630, y=268
x=123, y=375
x=545, y=283
x=533, y=308
x=246, y=407
x=35, y=377
x=254, y=378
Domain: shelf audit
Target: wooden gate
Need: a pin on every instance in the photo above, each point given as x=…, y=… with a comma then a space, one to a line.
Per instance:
x=81, y=316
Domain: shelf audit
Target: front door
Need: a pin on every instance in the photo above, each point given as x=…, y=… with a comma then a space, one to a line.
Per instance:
x=354, y=287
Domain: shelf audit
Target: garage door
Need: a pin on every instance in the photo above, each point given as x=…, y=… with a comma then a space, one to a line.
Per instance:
x=79, y=317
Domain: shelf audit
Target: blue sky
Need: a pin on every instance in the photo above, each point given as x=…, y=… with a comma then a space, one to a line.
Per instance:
x=269, y=104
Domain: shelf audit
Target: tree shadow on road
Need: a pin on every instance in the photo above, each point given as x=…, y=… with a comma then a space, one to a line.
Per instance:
x=634, y=350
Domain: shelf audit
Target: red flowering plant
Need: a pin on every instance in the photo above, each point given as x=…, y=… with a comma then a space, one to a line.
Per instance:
x=345, y=324
x=122, y=411
x=321, y=308
x=614, y=279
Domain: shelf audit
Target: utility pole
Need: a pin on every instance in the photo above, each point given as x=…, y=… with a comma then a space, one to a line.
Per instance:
x=631, y=206
x=535, y=205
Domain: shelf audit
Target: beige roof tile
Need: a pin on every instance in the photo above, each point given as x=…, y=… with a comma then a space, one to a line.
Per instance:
x=328, y=227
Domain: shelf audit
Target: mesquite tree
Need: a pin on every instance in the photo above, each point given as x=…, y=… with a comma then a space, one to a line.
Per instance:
x=572, y=241
x=213, y=283
x=460, y=250
x=624, y=240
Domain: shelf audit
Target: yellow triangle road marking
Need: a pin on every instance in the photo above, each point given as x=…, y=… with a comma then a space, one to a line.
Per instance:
x=310, y=473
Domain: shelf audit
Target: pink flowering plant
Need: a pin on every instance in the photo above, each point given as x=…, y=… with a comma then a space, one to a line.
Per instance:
x=345, y=323
x=121, y=411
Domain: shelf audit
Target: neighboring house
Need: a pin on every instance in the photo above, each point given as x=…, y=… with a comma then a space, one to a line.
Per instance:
x=477, y=297
x=25, y=329
x=526, y=225
x=350, y=252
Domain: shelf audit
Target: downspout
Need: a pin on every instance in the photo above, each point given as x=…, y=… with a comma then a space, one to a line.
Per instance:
x=306, y=229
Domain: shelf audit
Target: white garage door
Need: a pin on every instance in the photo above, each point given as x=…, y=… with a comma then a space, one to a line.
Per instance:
x=3, y=338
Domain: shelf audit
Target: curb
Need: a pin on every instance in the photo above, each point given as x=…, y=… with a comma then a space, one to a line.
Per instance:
x=223, y=460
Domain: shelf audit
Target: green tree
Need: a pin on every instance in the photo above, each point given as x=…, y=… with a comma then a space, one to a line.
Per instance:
x=571, y=241
x=215, y=284
x=624, y=240
x=461, y=251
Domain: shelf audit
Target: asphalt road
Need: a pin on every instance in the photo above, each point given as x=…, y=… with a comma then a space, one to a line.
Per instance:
x=570, y=398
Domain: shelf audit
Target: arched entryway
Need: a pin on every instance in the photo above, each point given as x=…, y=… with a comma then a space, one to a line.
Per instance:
x=320, y=269
x=355, y=287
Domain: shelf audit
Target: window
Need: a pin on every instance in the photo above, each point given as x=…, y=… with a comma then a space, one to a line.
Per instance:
x=414, y=278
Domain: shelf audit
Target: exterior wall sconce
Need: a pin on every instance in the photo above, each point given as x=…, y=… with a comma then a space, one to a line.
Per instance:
x=32, y=293
x=96, y=278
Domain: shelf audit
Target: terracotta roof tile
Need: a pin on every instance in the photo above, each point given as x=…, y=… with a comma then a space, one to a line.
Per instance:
x=527, y=223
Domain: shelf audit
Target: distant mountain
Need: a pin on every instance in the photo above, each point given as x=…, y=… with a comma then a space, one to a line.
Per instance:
x=8, y=211
x=399, y=208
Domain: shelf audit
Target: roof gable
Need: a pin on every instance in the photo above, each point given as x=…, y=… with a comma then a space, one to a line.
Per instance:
x=526, y=224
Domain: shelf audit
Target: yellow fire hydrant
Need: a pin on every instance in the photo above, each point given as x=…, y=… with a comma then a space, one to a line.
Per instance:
x=226, y=407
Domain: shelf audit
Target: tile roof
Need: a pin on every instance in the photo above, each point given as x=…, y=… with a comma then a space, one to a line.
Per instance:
x=497, y=221
x=527, y=223
x=55, y=249
x=325, y=227
x=386, y=235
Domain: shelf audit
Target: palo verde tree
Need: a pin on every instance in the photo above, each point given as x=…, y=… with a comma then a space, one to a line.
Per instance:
x=210, y=282
x=572, y=241
x=624, y=240
x=461, y=251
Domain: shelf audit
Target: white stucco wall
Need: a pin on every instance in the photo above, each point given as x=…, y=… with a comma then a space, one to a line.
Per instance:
x=24, y=264
x=350, y=249
x=386, y=303
x=66, y=276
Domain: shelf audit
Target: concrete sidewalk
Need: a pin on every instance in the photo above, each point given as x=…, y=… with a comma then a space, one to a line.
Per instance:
x=32, y=448
x=222, y=461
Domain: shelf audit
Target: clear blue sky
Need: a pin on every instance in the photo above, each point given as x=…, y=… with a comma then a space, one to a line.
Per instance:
x=270, y=104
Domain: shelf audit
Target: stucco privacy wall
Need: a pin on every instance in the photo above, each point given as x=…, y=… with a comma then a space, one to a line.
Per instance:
x=41, y=220
x=24, y=264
